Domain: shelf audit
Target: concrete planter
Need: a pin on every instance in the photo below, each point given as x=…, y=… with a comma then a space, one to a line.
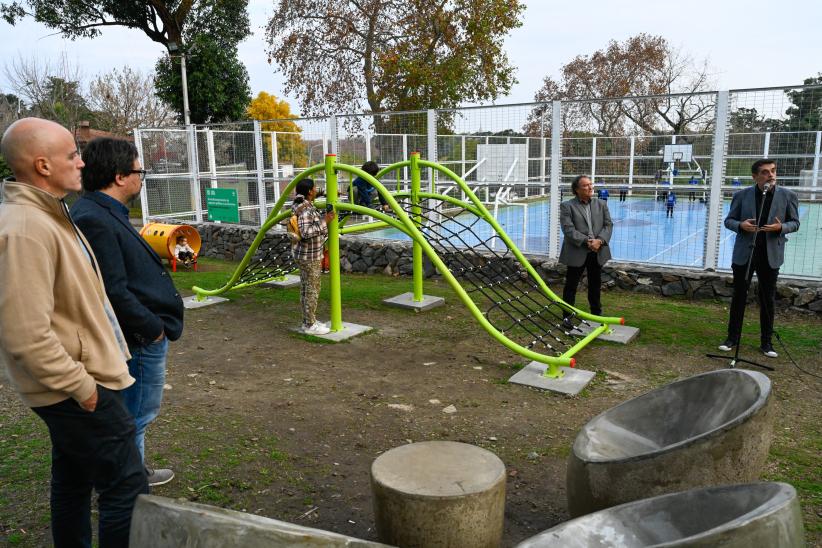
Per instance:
x=710, y=429
x=731, y=516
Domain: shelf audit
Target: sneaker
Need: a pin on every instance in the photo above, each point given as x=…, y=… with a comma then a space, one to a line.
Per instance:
x=159, y=476
x=317, y=329
x=727, y=346
x=768, y=350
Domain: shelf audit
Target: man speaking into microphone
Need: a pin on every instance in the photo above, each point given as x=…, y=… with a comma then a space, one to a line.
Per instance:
x=761, y=216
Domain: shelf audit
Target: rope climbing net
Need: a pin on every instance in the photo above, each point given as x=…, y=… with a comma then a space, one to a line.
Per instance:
x=511, y=300
x=273, y=259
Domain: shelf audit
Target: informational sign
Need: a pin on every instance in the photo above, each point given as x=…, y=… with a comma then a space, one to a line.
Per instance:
x=222, y=205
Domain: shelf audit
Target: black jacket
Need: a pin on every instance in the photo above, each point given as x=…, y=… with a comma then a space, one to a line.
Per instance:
x=137, y=284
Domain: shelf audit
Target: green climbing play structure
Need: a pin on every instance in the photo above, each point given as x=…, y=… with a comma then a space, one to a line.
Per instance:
x=521, y=311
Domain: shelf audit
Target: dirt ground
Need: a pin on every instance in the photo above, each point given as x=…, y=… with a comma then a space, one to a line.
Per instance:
x=259, y=419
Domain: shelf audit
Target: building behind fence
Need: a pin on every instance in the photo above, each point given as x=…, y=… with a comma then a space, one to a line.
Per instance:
x=529, y=153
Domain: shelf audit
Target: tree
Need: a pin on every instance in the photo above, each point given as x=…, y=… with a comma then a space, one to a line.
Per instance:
x=278, y=118
x=124, y=99
x=217, y=81
x=642, y=65
x=51, y=89
x=162, y=21
x=171, y=23
x=805, y=114
x=391, y=54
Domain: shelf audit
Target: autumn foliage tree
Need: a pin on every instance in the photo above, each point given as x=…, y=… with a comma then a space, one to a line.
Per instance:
x=384, y=55
x=276, y=116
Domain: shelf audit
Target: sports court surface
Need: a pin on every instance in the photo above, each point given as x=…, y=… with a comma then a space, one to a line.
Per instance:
x=642, y=233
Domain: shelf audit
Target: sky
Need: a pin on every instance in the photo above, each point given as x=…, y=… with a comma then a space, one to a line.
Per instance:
x=748, y=43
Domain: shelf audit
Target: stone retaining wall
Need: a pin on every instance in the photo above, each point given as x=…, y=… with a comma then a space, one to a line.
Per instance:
x=393, y=258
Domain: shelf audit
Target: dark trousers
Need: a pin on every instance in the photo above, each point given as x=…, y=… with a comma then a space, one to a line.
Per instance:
x=93, y=450
x=766, y=294
x=574, y=274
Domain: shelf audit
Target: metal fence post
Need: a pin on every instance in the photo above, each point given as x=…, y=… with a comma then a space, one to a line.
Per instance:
x=332, y=134
x=275, y=165
x=714, y=220
x=260, y=164
x=432, y=146
x=556, y=170
x=815, y=173
x=594, y=160
x=212, y=159
x=194, y=170
x=631, y=166
x=138, y=142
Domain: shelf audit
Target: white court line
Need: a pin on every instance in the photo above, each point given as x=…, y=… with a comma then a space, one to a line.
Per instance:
x=670, y=247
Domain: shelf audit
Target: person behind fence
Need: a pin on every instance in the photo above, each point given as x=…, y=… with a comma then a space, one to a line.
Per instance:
x=765, y=238
x=670, y=202
x=365, y=191
x=62, y=347
x=308, y=252
x=586, y=225
x=184, y=252
x=623, y=192
x=148, y=307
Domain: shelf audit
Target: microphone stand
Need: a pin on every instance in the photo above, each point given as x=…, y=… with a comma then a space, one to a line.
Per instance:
x=748, y=279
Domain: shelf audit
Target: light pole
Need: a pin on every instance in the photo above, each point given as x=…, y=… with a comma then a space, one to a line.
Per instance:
x=172, y=47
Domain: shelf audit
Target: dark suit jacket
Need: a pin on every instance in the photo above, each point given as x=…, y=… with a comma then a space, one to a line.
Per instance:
x=784, y=205
x=137, y=284
x=575, y=229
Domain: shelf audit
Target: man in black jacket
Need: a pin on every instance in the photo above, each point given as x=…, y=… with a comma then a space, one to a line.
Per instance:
x=148, y=307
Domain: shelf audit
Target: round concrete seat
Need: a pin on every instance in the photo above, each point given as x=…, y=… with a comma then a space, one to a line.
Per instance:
x=439, y=494
x=731, y=516
x=710, y=429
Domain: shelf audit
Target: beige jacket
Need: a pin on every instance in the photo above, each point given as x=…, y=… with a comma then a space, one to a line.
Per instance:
x=56, y=340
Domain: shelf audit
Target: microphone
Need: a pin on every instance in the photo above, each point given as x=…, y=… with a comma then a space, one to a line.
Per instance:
x=767, y=187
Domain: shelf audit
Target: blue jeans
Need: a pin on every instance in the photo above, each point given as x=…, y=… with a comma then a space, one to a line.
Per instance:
x=148, y=367
x=92, y=451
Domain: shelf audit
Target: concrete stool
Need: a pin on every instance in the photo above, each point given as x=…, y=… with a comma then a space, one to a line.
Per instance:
x=710, y=429
x=731, y=516
x=439, y=494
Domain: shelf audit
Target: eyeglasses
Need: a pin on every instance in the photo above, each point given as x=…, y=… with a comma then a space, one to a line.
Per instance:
x=141, y=172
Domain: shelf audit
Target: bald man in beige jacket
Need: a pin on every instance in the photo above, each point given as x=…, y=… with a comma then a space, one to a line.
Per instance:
x=60, y=341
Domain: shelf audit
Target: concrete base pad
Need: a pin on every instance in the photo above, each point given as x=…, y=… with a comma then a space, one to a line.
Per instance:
x=571, y=383
x=289, y=280
x=348, y=331
x=622, y=334
x=192, y=302
x=406, y=300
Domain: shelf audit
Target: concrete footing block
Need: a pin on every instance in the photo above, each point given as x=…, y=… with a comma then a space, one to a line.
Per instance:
x=348, y=331
x=439, y=493
x=710, y=429
x=731, y=516
x=622, y=334
x=192, y=302
x=289, y=280
x=160, y=522
x=572, y=381
x=406, y=300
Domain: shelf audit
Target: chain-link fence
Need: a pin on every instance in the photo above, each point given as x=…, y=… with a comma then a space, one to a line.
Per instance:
x=668, y=165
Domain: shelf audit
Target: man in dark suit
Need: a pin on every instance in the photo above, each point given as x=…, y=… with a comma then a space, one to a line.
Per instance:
x=765, y=237
x=587, y=226
x=146, y=303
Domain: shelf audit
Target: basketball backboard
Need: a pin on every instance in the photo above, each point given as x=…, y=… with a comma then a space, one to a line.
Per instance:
x=677, y=153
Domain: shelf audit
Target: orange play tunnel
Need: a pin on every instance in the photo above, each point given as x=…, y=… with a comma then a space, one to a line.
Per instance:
x=162, y=238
